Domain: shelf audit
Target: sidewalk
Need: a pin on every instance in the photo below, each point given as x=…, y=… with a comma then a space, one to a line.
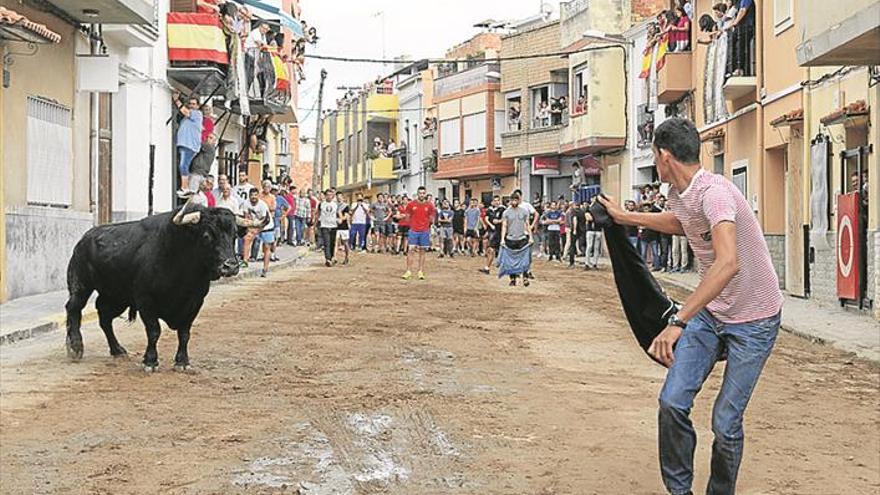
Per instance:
x=833, y=326
x=30, y=316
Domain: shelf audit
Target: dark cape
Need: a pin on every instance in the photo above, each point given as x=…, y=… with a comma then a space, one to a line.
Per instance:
x=646, y=306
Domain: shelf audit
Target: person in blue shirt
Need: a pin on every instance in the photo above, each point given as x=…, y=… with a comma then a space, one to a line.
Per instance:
x=189, y=139
x=281, y=209
x=471, y=224
x=444, y=218
x=553, y=222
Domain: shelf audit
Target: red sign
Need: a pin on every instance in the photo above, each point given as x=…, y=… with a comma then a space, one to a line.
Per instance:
x=545, y=163
x=848, y=242
x=591, y=165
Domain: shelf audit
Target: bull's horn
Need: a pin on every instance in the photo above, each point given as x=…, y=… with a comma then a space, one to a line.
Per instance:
x=183, y=218
x=189, y=218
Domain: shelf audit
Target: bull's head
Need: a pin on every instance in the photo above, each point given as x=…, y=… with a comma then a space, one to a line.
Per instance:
x=215, y=230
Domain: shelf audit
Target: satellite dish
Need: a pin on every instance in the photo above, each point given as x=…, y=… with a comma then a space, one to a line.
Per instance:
x=546, y=10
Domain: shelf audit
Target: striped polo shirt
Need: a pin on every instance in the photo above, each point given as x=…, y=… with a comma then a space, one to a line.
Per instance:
x=753, y=293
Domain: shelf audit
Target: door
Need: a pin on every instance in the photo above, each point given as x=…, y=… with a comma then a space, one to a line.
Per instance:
x=852, y=219
x=105, y=159
x=795, y=253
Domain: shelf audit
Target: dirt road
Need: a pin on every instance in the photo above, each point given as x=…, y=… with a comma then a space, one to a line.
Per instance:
x=351, y=381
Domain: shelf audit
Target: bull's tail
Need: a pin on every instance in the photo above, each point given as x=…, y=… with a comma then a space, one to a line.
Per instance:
x=132, y=313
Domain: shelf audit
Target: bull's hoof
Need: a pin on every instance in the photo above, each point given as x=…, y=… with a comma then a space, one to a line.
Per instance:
x=75, y=350
x=151, y=368
x=119, y=352
x=182, y=367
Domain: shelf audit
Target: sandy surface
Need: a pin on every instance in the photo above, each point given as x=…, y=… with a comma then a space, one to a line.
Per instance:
x=351, y=381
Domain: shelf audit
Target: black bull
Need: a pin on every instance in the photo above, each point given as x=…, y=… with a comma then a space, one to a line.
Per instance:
x=161, y=267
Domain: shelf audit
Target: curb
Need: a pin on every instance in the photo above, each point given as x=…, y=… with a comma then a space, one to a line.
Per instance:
x=90, y=314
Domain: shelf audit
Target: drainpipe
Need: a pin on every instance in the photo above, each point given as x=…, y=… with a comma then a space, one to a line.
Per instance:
x=759, y=88
x=93, y=134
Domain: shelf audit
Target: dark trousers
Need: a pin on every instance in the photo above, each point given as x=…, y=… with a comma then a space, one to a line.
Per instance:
x=553, y=244
x=328, y=241
x=665, y=243
x=742, y=45
x=578, y=245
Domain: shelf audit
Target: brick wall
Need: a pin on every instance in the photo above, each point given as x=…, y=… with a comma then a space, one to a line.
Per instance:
x=776, y=245
x=643, y=9
x=823, y=272
x=479, y=43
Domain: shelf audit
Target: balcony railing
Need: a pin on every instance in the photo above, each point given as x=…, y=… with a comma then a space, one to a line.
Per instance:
x=674, y=78
x=459, y=81
x=200, y=59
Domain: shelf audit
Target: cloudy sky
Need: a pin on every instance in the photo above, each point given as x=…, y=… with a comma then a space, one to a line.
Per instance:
x=415, y=28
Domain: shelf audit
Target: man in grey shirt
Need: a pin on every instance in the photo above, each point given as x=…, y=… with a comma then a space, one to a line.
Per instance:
x=516, y=233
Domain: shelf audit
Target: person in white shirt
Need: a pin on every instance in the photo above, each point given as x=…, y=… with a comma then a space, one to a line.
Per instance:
x=225, y=199
x=327, y=223
x=359, y=213
x=244, y=187
x=253, y=44
x=533, y=222
x=255, y=209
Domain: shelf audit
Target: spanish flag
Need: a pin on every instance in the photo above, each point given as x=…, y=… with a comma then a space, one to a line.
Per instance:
x=662, y=48
x=647, y=58
x=196, y=38
x=282, y=78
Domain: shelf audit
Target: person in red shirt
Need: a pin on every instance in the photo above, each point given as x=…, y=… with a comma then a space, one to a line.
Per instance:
x=419, y=215
x=402, y=226
x=207, y=121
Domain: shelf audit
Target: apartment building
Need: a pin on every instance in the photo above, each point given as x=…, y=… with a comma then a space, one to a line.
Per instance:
x=838, y=48
x=83, y=122
x=415, y=160
x=470, y=114
x=355, y=140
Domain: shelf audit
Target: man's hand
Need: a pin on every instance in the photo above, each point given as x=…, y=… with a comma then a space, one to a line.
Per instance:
x=661, y=347
x=616, y=212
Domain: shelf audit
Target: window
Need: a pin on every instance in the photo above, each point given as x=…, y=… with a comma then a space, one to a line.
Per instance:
x=475, y=132
x=558, y=103
x=49, y=153
x=513, y=111
x=718, y=164
x=580, y=91
x=540, y=107
x=499, y=127
x=450, y=137
x=782, y=15
x=740, y=180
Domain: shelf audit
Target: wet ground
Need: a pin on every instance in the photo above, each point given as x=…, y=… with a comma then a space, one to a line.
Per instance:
x=351, y=381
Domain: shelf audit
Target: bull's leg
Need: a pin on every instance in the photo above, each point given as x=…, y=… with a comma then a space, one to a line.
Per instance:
x=151, y=356
x=75, y=304
x=181, y=360
x=106, y=312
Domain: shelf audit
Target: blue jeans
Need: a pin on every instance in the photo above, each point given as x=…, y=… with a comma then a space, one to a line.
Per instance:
x=634, y=241
x=702, y=344
x=186, y=158
x=300, y=225
x=358, y=236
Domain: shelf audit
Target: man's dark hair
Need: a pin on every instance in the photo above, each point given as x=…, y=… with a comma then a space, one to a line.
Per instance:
x=517, y=192
x=326, y=191
x=515, y=195
x=680, y=138
x=422, y=188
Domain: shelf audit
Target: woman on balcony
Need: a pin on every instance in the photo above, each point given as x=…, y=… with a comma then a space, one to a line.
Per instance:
x=680, y=31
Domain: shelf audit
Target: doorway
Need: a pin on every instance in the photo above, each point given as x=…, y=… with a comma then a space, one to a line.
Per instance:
x=105, y=159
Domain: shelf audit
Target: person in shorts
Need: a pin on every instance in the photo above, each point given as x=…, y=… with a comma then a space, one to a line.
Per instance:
x=444, y=222
x=343, y=215
x=402, y=227
x=492, y=222
x=379, y=214
x=255, y=209
x=458, y=239
x=419, y=215
x=471, y=226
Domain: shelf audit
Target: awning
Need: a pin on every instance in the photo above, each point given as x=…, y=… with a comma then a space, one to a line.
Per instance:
x=273, y=10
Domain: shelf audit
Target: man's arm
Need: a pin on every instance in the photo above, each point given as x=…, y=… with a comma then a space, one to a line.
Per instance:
x=714, y=281
x=664, y=222
x=740, y=15
x=503, y=229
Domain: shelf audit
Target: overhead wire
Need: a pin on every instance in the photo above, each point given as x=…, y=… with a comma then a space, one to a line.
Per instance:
x=336, y=58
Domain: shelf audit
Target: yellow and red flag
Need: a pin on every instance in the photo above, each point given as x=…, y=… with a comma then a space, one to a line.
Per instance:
x=282, y=78
x=647, y=58
x=196, y=38
x=662, y=48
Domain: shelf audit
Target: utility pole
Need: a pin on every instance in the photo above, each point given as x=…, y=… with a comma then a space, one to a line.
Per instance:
x=317, y=167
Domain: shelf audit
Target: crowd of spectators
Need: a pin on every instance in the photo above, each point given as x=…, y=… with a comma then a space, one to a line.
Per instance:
x=662, y=252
